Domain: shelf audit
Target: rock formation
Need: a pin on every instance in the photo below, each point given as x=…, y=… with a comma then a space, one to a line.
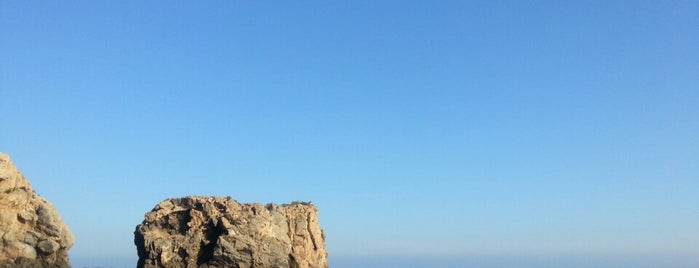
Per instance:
x=220, y=232
x=32, y=233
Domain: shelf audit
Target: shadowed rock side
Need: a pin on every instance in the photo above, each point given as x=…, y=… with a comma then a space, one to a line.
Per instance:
x=220, y=232
x=32, y=233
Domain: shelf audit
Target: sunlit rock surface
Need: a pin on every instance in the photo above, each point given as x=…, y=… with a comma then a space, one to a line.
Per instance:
x=220, y=232
x=32, y=233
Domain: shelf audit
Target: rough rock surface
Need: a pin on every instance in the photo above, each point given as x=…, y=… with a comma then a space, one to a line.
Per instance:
x=220, y=232
x=32, y=233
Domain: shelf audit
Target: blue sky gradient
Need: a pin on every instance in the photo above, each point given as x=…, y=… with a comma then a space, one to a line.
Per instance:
x=473, y=131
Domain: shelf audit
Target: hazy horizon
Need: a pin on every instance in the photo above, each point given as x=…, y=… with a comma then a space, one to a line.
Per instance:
x=687, y=260
x=451, y=128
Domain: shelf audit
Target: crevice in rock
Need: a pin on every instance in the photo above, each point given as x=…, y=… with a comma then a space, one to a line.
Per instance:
x=211, y=234
x=221, y=207
x=178, y=221
x=290, y=231
x=293, y=263
x=310, y=233
x=140, y=242
x=183, y=254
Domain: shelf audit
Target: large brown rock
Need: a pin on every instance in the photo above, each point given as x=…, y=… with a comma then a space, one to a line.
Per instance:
x=32, y=233
x=220, y=232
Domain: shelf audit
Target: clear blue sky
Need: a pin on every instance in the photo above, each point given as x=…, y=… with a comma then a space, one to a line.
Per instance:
x=473, y=130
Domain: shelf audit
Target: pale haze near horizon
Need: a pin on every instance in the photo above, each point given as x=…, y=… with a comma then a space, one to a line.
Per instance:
x=429, y=134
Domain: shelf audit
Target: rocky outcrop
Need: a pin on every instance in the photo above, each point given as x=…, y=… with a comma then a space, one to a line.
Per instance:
x=32, y=233
x=220, y=232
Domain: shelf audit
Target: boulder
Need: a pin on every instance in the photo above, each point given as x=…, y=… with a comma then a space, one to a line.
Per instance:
x=32, y=234
x=220, y=232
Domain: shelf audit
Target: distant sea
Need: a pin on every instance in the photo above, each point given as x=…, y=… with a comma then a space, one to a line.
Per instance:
x=630, y=261
x=638, y=261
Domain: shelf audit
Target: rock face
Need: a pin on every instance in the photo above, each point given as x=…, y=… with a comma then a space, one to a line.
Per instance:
x=32, y=233
x=220, y=232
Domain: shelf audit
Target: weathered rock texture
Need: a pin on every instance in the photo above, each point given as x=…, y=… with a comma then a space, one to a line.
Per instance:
x=220, y=232
x=32, y=233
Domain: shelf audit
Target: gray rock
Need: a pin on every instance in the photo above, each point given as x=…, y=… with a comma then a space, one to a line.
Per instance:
x=48, y=246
